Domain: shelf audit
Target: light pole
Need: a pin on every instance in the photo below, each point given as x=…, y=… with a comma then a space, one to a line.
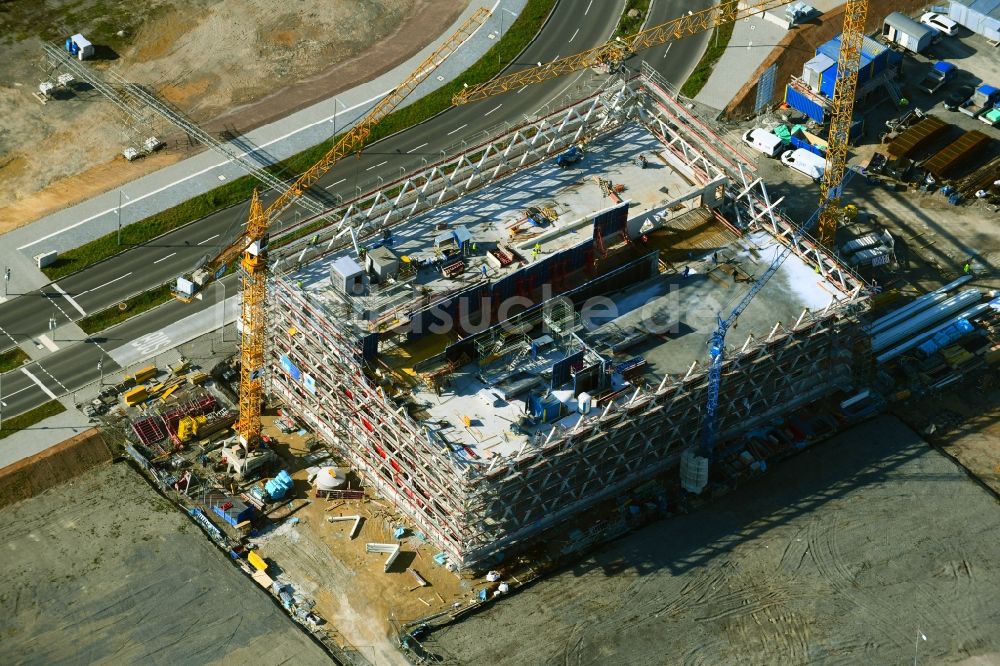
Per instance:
x=6, y=279
x=916, y=643
x=100, y=369
x=500, y=36
x=52, y=326
x=223, y=310
x=120, y=195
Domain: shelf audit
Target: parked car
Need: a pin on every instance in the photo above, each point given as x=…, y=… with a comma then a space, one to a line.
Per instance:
x=940, y=22
x=954, y=100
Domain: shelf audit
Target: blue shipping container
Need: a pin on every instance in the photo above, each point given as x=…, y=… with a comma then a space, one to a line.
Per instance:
x=800, y=102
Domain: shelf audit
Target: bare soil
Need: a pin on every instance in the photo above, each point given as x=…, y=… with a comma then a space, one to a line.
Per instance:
x=845, y=554
x=361, y=602
x=103, y=570
x=231, y=65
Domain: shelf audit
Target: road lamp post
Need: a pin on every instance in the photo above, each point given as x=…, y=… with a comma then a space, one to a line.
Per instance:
x=52, y=326
x=6, y=279
x=500, y=36
x=120, y=195
x=223, y=310
x=100, y=369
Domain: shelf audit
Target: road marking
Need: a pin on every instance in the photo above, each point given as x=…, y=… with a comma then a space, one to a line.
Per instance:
x=121, y=277
x=375, y=166
x=415, y=149
x=492, y=110
x=208, y=239
x=667, y=50
x=40, y=384
x=335, y=184
x=13, y=393
x=47, y=341
x=69, y=298
x=165, y=258
x=574, y=35
x=458, y=128
x=520, y=91
x=587, y=10
x=266, y=144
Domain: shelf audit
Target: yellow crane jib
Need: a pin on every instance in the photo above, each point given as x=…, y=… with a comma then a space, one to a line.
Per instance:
x=618, y=49
x=252, y=246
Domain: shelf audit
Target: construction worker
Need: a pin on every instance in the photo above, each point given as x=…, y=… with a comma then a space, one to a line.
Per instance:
x=534, y=253
x=967, y=268
x=686, y=272
x=474, y=248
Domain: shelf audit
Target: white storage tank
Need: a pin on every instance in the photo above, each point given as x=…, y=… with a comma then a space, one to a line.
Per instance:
x=584, y=402
x=330, y=478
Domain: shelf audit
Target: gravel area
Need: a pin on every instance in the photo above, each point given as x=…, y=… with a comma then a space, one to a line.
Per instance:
x=104, y=570
x=845, y=554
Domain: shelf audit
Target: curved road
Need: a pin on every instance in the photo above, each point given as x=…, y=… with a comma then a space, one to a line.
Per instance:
x=573, y=27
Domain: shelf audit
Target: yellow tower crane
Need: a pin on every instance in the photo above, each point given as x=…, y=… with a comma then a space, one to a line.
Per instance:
x=617, y=50
x=841, y=116
x=252, y=245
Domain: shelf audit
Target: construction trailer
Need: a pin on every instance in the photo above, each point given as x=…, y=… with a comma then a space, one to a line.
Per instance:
x=487, y=424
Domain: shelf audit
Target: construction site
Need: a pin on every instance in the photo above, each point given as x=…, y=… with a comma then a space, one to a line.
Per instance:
x=609, y=312
x=502, y=363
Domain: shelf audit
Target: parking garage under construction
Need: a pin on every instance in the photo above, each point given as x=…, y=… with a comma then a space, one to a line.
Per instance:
x=507, y=342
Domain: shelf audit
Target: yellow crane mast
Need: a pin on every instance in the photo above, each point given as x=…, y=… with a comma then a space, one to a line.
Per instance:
x=252, y=245
x=841, y=116
x=617, y=50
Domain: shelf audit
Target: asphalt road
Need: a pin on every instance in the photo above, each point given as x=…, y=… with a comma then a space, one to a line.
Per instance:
x=573, y=27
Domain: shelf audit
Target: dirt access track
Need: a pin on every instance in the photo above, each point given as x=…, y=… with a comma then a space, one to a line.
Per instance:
x=843, y=554
x=101, y=569
x=231, y=65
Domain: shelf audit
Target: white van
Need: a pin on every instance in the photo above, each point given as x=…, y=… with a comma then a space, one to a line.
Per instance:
x=766, y=142
x=805, y=162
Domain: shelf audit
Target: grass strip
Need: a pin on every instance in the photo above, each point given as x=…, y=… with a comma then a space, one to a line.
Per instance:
x=30, y=418
x=716, y=47
x=629, y=26
x=517, y=36
x=12, y=359
x=135, y=305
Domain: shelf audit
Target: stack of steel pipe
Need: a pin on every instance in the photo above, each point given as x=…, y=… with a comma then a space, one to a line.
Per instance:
x=916, y=323
x=919, y=305
x=919, y=339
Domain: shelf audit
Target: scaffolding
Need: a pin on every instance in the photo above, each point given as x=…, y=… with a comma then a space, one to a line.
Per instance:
x=475, y=507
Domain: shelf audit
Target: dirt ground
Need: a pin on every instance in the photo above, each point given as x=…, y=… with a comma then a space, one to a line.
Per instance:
x=102, y=569
x=351, y=589
x=231, y=65
x=844, y=554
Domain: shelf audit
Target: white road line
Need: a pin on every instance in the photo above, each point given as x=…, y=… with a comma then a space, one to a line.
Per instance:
x=415, y=149
x=520, y=91
x=574, y=35
x=40, y=384
x=47, y=341
x=458, y=128
x=208, y=239
x=120, y=277
x=13, y=393
x=667, y=50
x=493, y=109
x=165, y=258
x=374, y=166
x=137, y=199
x=69, y=298
x=335, y=184
x=587, y=10
x=266, y=144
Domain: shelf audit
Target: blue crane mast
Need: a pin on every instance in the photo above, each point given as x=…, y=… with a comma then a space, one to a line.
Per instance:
x=717, y=344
